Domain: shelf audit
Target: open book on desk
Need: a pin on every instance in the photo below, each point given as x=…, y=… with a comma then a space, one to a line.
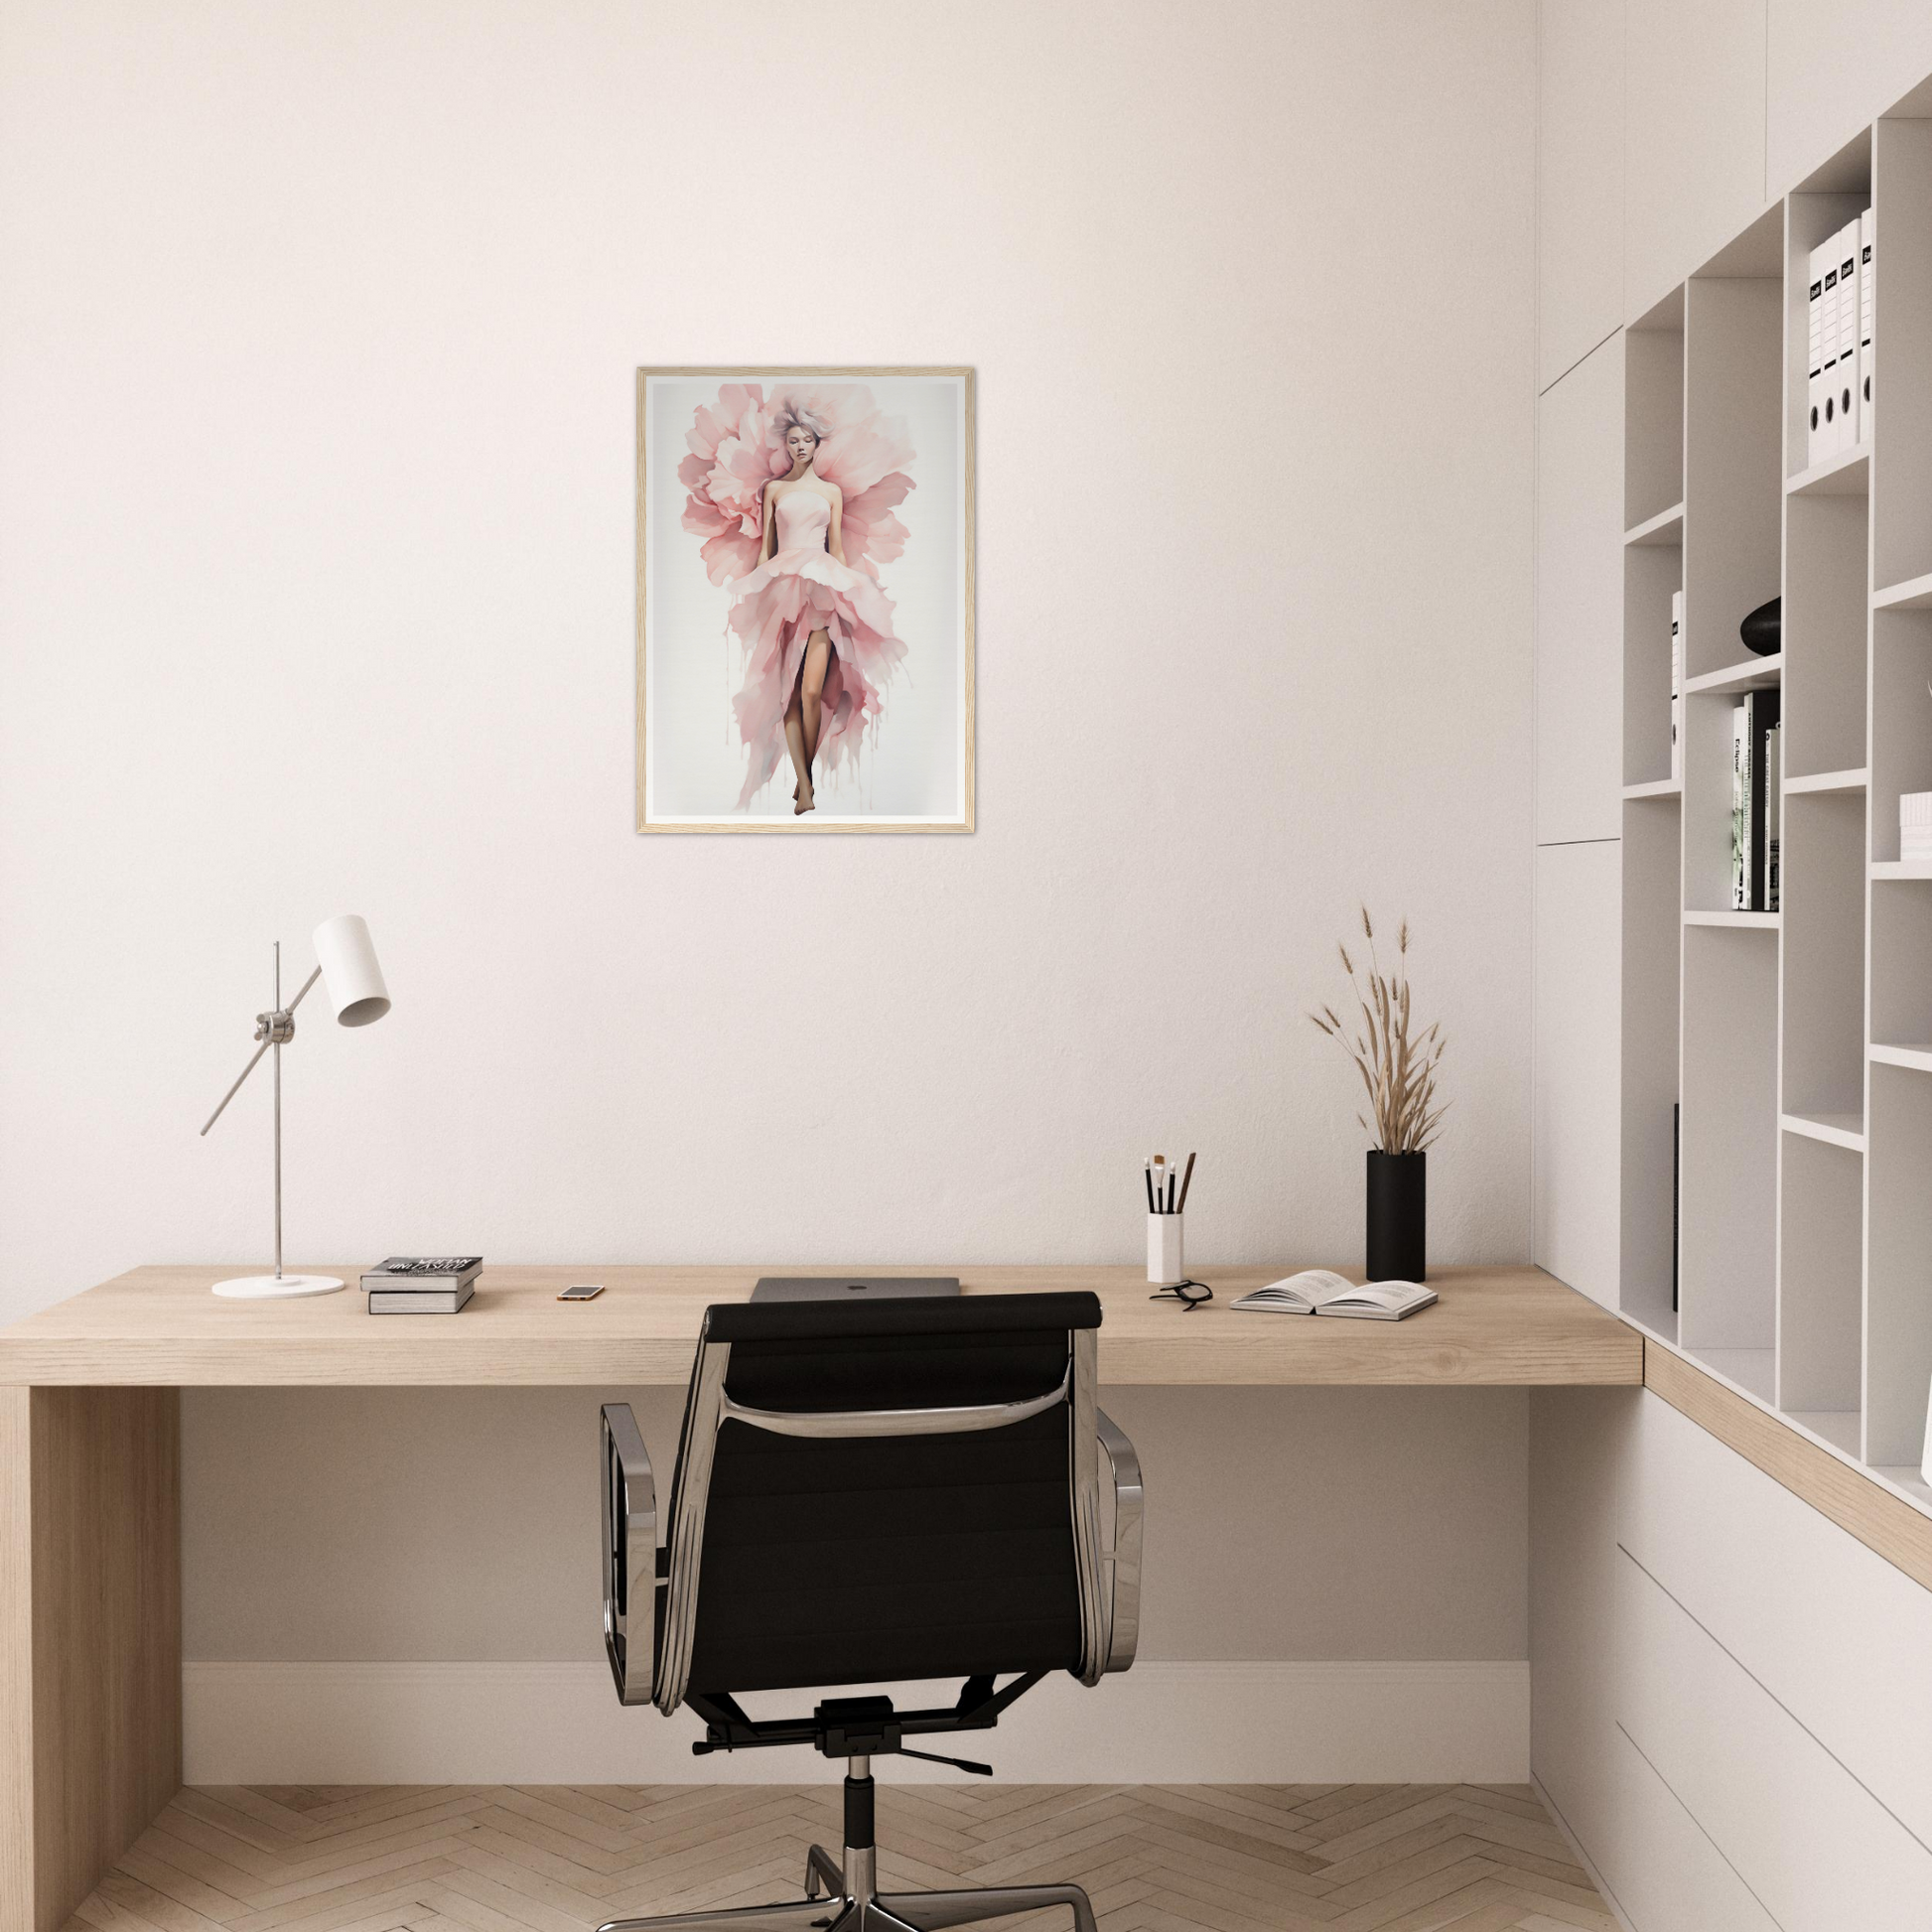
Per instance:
x=1320, y=1290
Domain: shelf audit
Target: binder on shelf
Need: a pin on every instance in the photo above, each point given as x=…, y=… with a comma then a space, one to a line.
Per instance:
x=1828, y=431
x=1848, y=336
x=1677, y=686
x=1867, y=302
x=1815, y=359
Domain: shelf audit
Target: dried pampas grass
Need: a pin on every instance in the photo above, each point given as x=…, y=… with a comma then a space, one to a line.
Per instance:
x=1398, y=1071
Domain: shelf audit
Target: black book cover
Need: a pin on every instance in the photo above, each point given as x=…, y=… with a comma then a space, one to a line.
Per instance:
x=1760, y=714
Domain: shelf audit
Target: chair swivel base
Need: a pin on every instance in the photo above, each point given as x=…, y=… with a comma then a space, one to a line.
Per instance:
x=849, y=1905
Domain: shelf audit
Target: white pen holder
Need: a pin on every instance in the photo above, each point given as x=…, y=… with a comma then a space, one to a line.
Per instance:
x=1165, y=1265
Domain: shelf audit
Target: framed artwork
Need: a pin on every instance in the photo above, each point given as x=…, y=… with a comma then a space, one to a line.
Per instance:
x=804, y=599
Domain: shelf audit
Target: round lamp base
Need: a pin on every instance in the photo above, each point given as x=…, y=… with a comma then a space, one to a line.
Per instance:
x=276, y=1287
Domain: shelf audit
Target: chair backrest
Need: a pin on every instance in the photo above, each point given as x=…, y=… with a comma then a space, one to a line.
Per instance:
x=884, y=1491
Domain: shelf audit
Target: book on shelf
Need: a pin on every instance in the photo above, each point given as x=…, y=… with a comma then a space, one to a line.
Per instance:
x=1320, y=1290
x=423, y=1274
x=420, y=1301
x=1753, y=816
x=1751, y=723
x=1761, y=718
x=1740, y=811
x=1773, y=808
x=1677, y=687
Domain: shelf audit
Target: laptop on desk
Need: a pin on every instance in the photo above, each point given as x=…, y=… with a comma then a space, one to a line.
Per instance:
x=851, y=1288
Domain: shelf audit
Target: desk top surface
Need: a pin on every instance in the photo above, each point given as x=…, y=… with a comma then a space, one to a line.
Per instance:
x=160, y=1326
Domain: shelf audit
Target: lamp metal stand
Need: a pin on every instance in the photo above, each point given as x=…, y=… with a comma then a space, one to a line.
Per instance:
x=274, y=1030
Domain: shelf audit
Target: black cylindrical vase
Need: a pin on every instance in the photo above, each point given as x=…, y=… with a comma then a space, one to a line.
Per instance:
x=1398, y=1216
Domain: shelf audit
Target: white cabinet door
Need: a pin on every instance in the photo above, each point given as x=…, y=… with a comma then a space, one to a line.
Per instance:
x=1833, y=65
x=1580, y=602
x=1575, y=1112
x=1692, y=137
x=1578, y=180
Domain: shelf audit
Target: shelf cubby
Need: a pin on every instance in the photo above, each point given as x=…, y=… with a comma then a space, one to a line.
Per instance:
x=1901, y=963
x=1729, y=1084
x=1821, y=1257
x=1901, y=401
x=1652, y=952
x=1653, y=434
x=1825, y=612
x=1823, y=921
x=1898, y=1311
x=1733, y=481
x=1652, y=573
x=1902, y=718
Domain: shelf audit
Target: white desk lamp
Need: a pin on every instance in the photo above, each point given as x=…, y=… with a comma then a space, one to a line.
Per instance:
x=352, y=981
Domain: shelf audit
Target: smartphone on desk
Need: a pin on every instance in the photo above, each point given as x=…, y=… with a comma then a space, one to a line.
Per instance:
x=582, y=1291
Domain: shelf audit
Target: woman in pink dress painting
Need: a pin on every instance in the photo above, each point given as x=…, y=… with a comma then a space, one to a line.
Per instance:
x=794, y=500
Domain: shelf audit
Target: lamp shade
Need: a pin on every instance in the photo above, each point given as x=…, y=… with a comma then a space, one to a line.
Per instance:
x=349, y=975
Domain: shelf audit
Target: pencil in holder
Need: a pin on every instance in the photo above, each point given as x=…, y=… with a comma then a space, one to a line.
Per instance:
x=1165, y=1264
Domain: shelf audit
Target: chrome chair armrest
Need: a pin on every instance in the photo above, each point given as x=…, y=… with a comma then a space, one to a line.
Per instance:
x=837, y=1424
x=1124, y=1558
x=629, y=1554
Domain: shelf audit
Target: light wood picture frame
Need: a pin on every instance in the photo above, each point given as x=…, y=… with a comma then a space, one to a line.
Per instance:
x=805, y=600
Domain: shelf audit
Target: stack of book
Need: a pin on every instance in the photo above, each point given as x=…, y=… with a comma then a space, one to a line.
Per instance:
x=422, y=1284
x=1754, y=803
x=1838, y=314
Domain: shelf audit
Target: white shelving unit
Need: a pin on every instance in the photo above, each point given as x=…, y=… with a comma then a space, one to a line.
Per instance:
x=1797, y=1044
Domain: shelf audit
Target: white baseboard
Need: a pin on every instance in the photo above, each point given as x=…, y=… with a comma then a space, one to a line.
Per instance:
x=561, y=1724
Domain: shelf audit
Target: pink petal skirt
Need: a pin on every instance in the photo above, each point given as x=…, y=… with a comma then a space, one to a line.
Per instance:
x=775, y=612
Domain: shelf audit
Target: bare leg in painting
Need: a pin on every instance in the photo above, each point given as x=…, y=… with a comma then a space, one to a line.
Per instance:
x=804, y=718
x=801, y=793
x=812, y=689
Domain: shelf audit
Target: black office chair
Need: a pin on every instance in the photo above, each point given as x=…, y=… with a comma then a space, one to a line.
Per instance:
x=866, y=1494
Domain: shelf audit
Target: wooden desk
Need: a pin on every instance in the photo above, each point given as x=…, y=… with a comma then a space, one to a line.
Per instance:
x=89, y=1463
x=161, y=1328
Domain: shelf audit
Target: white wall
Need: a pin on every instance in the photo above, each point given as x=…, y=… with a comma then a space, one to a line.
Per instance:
x=316, y=451
x=316, y=340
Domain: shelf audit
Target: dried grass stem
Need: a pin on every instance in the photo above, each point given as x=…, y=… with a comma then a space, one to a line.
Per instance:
x=1398, y=1066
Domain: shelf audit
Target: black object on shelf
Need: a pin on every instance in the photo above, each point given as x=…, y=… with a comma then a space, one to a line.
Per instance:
x=1398, y=1216
x=1676, y=1192
x=1763, y=630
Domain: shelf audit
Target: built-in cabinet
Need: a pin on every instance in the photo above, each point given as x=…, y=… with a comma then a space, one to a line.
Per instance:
x=1729, y=1689
x=1777, y=1063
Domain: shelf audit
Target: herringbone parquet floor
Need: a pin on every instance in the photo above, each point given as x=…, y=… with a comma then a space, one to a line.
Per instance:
x=562, y=1857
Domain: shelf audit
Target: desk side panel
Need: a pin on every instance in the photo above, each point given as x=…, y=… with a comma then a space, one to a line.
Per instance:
x=103, y=1540
x=16, y=1665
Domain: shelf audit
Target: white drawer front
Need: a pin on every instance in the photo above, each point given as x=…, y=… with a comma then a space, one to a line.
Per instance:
x=1809, y=1841
x=1836, y=1634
